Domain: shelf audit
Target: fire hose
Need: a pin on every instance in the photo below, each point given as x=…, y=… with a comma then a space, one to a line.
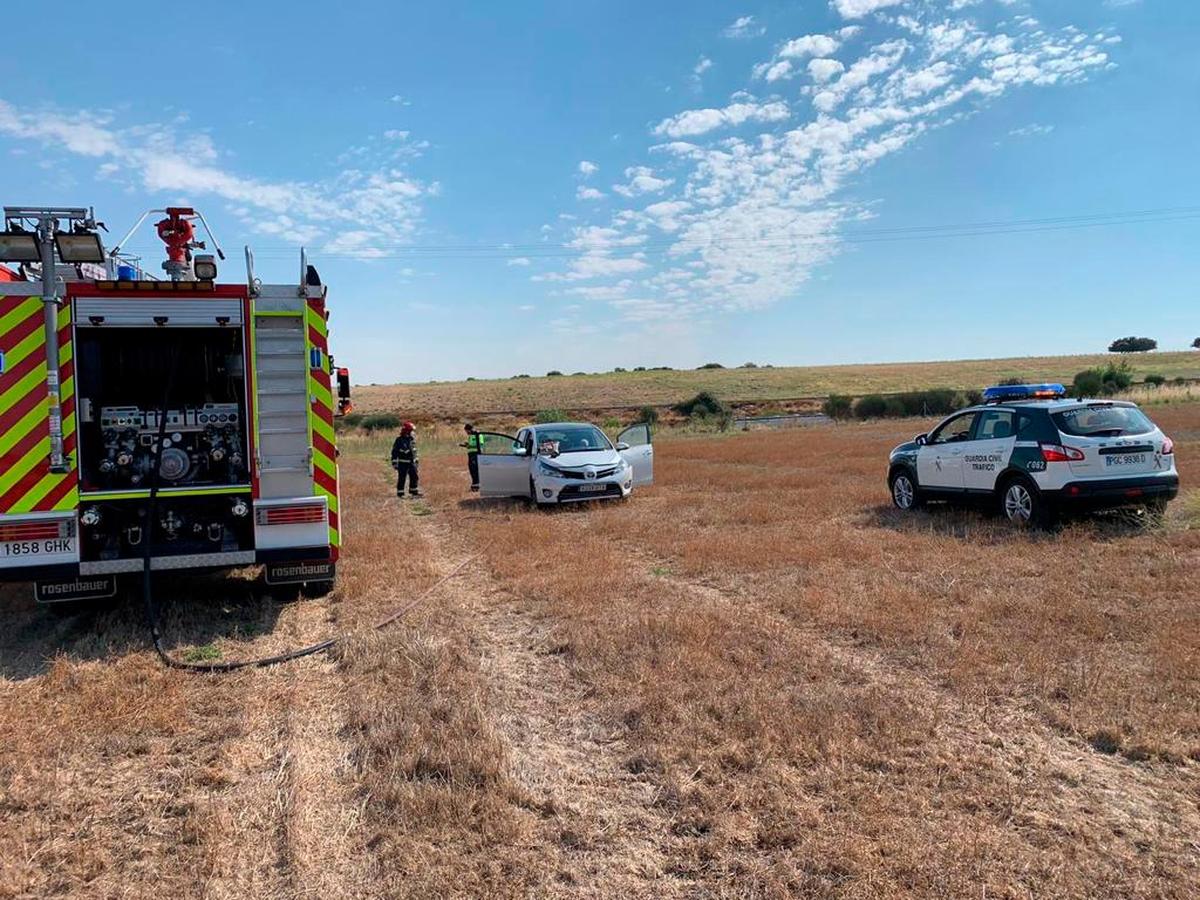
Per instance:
x=151, y=609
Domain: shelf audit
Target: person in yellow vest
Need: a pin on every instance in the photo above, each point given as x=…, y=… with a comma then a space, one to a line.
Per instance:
x=473, y=443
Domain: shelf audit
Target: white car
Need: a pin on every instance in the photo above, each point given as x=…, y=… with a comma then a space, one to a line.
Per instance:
x=565, y=462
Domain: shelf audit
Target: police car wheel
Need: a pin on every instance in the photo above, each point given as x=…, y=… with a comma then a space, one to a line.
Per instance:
x=905, y=495
x=1021, y=504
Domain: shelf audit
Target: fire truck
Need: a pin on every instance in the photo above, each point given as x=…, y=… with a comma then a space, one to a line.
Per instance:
x=176, y=422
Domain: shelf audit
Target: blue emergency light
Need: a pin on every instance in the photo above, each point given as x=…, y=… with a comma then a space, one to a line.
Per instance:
x=1002, y=392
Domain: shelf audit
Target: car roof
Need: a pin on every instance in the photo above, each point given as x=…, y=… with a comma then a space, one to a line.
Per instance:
x=562, y=425
x=1055, y=405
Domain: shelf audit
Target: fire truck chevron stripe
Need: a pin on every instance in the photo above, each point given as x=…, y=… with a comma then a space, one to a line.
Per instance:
x=26, y=482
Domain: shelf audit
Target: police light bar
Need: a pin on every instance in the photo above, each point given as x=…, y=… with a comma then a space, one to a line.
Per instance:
x=1002, y=392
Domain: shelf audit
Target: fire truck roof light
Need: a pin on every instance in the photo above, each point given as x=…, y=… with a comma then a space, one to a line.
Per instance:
x=19, y=246
x=79, y=247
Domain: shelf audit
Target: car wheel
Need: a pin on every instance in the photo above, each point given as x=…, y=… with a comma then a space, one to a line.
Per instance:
x=1022, y=504
x=905, y=494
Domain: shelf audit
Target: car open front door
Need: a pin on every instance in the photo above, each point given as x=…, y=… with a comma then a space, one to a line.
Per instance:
x=503, y=466
x=639, y=452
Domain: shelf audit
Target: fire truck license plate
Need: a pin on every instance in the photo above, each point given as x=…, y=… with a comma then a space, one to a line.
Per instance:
x=32, y=550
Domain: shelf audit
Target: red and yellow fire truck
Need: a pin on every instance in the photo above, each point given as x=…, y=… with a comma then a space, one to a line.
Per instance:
x=181, y=420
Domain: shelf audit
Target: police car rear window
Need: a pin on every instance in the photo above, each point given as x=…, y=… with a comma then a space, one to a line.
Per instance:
x=1102, y=421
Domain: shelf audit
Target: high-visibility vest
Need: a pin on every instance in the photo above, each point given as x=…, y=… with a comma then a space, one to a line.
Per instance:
x=474, y=442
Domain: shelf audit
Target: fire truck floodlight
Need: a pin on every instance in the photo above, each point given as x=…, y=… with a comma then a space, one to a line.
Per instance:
x=79, y=247
x=19, y=246
x=204, y=267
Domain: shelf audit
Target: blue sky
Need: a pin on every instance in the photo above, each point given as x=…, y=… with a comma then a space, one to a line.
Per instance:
x=491, y=189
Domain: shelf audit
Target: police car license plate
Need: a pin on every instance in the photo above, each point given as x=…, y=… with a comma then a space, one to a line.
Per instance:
x=593, y=487
x=1126, y=459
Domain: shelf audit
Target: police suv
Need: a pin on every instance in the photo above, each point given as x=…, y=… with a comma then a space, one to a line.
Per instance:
x=1033, y=452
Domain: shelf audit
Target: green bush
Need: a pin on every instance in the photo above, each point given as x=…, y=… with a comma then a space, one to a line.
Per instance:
x=896, y=407
x=521, y=376
x=710, y=366
x=618, y=370
x=749, y=365
x=1010, y=380
x=837, y=406
x=703, y=404
x=639, y=368
x=611, y=424
x=352, y=420
x=1196, y=344
x=549, y=415
x=380, y=422
x=1155, y=379
x=579, y=373
x=1088, y=383
x=554, y=373
x=872, y=406
x=647, y=414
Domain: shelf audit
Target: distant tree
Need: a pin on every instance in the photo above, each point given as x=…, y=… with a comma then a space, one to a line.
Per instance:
x=1196, y=344
x=639, y=368
x=472, y=378
x=1155, y=380
x=1112, y=379
x=554, y=373
x=618, y=370
x=711, y=366
x=1132, y=345
x=579, y=373
x=749, y=365
x=521, y=376
x=1010, y=380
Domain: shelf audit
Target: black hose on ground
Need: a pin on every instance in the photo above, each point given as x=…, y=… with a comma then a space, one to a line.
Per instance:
x=151, y=610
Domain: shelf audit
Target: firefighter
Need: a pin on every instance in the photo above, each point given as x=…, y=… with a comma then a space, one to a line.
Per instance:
x=473, y=443
x=404, y=461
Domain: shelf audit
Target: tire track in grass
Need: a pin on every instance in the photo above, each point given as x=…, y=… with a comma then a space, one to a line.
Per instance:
x=596, y=819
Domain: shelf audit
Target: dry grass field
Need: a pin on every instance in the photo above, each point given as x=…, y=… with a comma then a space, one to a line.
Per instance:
x=752, y=680
x=453, y=400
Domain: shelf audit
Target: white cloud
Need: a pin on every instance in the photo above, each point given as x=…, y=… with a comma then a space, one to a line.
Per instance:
x=743, y=27
x=809, y=45
x=822, y=70
x=856, y=9
x=584, y=192
x=1031, y=130
x=642, y=180
x=179, y=166
x=702, y=66
x=518, y=261
x=742, y=221
x=700, y=121
x=588, y=168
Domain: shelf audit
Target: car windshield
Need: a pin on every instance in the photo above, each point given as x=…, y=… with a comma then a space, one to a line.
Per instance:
x=1102, y=420
x=573, y=439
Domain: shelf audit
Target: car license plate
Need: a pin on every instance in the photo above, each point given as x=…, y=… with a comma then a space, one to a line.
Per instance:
x=1126, y=459
x=42, y=547
x=593, y=488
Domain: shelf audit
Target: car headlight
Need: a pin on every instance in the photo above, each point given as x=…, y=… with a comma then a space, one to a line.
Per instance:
x=622, y=466
x=551, y=471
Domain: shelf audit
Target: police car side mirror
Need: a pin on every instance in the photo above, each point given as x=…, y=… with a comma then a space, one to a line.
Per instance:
x=921, y=439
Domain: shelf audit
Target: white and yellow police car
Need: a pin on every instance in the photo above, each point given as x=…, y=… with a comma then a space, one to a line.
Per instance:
x=1034, y=453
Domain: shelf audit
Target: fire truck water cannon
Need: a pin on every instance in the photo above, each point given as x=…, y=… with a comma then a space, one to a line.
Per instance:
x=178, y=232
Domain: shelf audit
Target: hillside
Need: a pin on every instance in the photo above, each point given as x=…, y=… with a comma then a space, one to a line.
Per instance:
x=452, y=399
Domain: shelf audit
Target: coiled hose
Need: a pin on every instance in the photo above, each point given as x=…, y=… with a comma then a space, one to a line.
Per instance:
x=151, y=609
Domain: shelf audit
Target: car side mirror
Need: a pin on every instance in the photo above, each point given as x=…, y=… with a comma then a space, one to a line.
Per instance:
x=519, y=451
x=921, y=440
x=621, y=445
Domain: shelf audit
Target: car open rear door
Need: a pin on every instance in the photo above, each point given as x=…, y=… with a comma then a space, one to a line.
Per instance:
x=503, y=466
x=639, y=452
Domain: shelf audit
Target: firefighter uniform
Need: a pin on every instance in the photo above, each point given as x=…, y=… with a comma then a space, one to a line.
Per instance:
x=473, y=443
x=404, y=461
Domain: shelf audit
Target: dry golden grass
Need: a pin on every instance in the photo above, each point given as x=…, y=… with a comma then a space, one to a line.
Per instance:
x=753, y=679
x=759, y=386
